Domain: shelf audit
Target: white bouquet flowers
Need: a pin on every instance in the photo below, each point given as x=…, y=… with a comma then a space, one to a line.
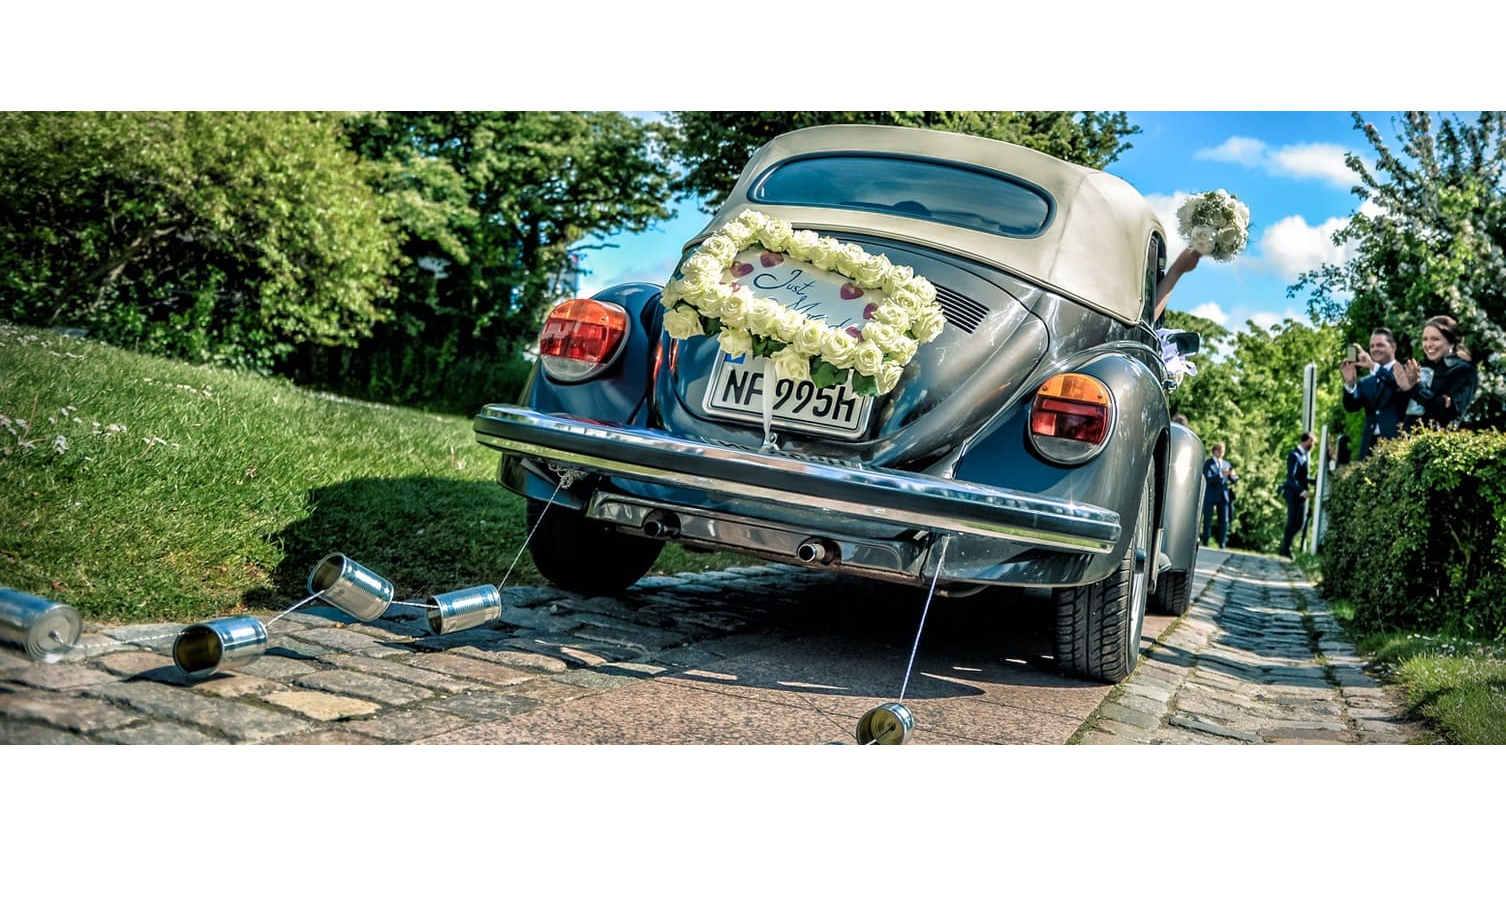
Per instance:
x=1214, y=223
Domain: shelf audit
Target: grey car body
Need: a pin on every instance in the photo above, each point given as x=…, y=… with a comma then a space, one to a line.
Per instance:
x=1042, y=268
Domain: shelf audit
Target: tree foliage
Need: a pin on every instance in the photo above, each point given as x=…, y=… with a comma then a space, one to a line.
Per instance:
x=1248, y=394
x=714, y=146
x=492, y=204
x=1434, y=244
x=226, y=236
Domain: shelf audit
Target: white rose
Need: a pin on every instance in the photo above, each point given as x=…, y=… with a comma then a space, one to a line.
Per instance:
x=838, y=347
x=850, y=259
x=883, y=335
x=867, y=358
x=762, y=315
x=774, y=234
x=738, y=232
x=888, y=377
x=894, y=315
x=672, y=293
x=808, y=339
x=683, y=322
x=788, y=322
x=923, y=289
x=1201, y=238
x=702, y=266
x=802, y=244
x=825, y=253
x=736, y=341
x=792, y=364
x=903, y=350
x=898, y=278
x=927, y=324
x=872, y=272
x=752, y=219
x=733, y=309
x=721, y=248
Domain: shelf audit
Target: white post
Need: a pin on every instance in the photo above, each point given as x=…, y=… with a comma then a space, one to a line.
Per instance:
x=1318, y=491
x=1309, y=396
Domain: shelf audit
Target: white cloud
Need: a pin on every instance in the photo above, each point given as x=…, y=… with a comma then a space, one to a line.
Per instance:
x=1291, y=246
x=1320, y=162
x=1266, y=320
x=1324, y=162
x=1212, y=312
x=1241, y=150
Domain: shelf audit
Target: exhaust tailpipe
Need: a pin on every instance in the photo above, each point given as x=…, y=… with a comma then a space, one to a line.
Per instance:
x=662, y=525
x=817, y=550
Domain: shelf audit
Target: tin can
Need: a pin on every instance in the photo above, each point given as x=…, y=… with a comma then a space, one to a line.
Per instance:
x=888, y=724
x=47, y=630
x=467, y=608
x=345, y=583
x=214, y=646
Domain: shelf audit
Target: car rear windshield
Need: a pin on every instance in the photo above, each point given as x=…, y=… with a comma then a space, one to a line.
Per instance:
x=921, y=189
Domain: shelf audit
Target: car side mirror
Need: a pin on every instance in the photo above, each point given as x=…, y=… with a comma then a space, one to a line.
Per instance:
x=1186, y=342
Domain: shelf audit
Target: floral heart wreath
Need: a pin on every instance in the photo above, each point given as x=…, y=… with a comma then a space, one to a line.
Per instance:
x=802, y=347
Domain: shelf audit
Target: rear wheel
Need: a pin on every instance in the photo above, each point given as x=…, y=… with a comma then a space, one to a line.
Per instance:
x=1174, y=593
x=1098, y=625
x=583, y=555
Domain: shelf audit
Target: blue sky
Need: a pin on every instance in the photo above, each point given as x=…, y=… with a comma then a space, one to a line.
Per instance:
x=1288, y=167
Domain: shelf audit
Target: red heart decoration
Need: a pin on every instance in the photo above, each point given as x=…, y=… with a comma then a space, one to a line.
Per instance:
x=851, y=291
x=869, y=310
x=739, y=269
x=855, y=331
x=770, y=259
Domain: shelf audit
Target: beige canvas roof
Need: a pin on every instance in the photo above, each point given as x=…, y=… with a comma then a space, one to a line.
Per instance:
x=1092, y=251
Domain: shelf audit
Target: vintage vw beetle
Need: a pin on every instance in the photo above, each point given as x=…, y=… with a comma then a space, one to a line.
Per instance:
x=1026, y=444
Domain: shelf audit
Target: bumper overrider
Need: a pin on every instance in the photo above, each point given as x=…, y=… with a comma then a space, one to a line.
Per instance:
x=970, y=512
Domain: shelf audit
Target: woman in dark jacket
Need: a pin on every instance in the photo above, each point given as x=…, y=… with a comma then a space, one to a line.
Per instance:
x=1445, y=392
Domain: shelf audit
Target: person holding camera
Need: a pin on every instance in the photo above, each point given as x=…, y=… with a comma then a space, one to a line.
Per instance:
x=1379, y=394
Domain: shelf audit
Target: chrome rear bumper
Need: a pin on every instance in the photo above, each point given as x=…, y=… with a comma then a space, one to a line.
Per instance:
x=877, y=495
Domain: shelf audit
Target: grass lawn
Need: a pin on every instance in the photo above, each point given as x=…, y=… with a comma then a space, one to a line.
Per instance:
x=137, y=489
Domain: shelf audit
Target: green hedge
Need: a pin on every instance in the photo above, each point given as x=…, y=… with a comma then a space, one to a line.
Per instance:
x=1414, y=538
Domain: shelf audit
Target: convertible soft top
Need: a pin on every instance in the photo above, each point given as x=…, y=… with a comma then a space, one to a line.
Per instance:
x=1092, y=251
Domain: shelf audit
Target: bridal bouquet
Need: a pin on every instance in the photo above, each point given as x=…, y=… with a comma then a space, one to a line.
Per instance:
x=1214, y=224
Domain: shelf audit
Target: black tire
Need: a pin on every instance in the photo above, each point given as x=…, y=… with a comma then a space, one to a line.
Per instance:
x=1098, y=625
x=585, y=556
x=1173, y=593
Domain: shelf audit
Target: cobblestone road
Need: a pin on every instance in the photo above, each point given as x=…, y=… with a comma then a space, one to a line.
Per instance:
x=761, y=654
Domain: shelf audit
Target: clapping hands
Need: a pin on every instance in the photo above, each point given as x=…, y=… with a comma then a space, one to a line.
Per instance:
x=1406, y=373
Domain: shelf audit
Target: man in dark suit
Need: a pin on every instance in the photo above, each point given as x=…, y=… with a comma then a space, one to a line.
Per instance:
x=1295, y=490
x=1384, y=402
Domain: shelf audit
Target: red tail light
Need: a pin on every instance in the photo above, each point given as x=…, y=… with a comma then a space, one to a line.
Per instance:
x=581, y=338
x=1071, y=417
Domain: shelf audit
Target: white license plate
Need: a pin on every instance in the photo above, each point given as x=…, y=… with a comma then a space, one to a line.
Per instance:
x=737, y=389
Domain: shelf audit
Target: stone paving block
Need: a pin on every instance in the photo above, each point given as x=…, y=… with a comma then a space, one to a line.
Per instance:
x=549, y=691
x=393, y=630
x=61, y=676
x=348, y=641
x=277, y=668
x=404, y=671
x=517, y=659
x=232, y=684
x=1196, y=723
x=405, y=726
x=331, y=738
x=365, y=687
x=81, y=714
x=459, y=666
x=1159, y=693
x=159, y=734
x=1114, y=711
x=1124, y=732
x=484, y=707
x=289, y=647
x=158, y=637
x=636, y=638
x=144, y=665
x=240, y=721
x=16, y=733
x=322, y=706
x=485, y=637
x=12, y=662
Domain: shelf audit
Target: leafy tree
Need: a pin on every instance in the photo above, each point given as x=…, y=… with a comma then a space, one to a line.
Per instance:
x=1436, y=245
x=714, y=146
x=1248, y=393
x=228, y=236
x=492, y=204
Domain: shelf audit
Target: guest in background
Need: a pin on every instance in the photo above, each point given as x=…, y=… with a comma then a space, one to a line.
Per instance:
x=1445, y=381
x=1295, y=490
x=1378, y=394
x=1216, y=476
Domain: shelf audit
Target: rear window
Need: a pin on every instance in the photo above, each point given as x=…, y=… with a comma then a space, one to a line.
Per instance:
x=920, y=189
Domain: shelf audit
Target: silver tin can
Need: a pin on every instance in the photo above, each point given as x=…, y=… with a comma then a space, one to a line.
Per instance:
x=220, y=644
x=467, y=608
x=886, y=725
x=47, y=630
x=345, y=583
